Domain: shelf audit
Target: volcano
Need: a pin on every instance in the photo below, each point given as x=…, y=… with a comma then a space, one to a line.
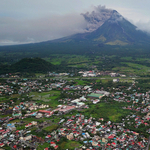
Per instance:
x=114, y=31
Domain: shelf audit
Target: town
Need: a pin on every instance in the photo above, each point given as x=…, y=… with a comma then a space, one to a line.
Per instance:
x=97, y=110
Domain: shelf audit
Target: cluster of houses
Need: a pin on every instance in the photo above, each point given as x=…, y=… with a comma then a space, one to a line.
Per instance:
x=58, y=74
x=20, y=86
x=92, y=133
x=95, y=134
x=6, y=89
x=93, y=73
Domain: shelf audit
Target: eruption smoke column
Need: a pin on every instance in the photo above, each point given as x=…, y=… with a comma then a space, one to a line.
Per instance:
x=97, y=17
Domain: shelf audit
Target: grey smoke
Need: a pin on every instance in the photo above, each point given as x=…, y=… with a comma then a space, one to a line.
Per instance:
x=20, y=31
x=97, y=17
x=116, y=17
x=17, y=31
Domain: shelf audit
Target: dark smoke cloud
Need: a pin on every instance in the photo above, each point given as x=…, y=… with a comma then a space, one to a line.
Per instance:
x=97, y=17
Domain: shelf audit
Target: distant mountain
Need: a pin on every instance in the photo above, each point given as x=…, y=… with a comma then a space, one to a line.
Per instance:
x=114, y=31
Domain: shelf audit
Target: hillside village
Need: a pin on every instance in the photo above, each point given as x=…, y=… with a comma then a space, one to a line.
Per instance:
x=48, y=113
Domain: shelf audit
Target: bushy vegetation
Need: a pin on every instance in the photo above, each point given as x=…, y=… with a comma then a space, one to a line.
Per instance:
x=28, y=65
x=109, y=111
x=68, y=57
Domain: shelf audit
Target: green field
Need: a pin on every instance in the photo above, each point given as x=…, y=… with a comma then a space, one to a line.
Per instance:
x=110, y=111
x=71, y=145
x=41, y=147
x=68, y=59
x=51, y=128
x=50, y=98
x=138, y=68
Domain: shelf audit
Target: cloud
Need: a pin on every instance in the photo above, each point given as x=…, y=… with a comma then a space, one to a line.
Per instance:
x=17, y=31
x=144, y=26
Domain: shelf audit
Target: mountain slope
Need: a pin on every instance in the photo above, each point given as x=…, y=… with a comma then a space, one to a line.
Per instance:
x=118, y=28
x=115, y=31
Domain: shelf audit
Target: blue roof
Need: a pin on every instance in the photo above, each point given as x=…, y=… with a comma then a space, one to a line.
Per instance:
x=9, y=124
x=100, y=128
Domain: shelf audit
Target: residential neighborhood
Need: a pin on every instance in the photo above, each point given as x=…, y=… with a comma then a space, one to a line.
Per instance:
x=50, y=113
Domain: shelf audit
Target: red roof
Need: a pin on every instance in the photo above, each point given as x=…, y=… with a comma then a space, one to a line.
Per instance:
x=70, y=120
x=66, y=108
x=113, y=143
x=45, y=111
x=52, y=142
x=46, y=148
x=62, y=129
x=56, y=147
x=111, y=137
x=49, y=136
x=15, y=146
x=11, y=118
x=1, y=144
x=2, y=130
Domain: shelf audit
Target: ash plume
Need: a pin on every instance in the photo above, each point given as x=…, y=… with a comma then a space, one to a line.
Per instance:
x=97, y=17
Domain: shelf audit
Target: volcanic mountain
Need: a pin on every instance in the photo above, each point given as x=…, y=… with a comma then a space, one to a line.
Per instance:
x=114, y=31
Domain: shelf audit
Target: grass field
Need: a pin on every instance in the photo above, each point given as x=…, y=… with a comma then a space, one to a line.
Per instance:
x=51, y=128
x=132, y=68
x=69, y=59
x=2, y=99
x=69, y=145
x=137, y=68
x=81, y=82
x=41, y=147
x=109, y=111
x=49, y=98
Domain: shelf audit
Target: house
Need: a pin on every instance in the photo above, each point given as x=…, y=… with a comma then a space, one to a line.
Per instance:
x=11, y=126
x=115, y=80
x=28, y=125
x=65, y=108
x=70, y=136
x=39, y=115
x=96, y=101
x=2, y=144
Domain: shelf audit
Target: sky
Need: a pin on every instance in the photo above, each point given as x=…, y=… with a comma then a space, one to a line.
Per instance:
x=31, y=21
